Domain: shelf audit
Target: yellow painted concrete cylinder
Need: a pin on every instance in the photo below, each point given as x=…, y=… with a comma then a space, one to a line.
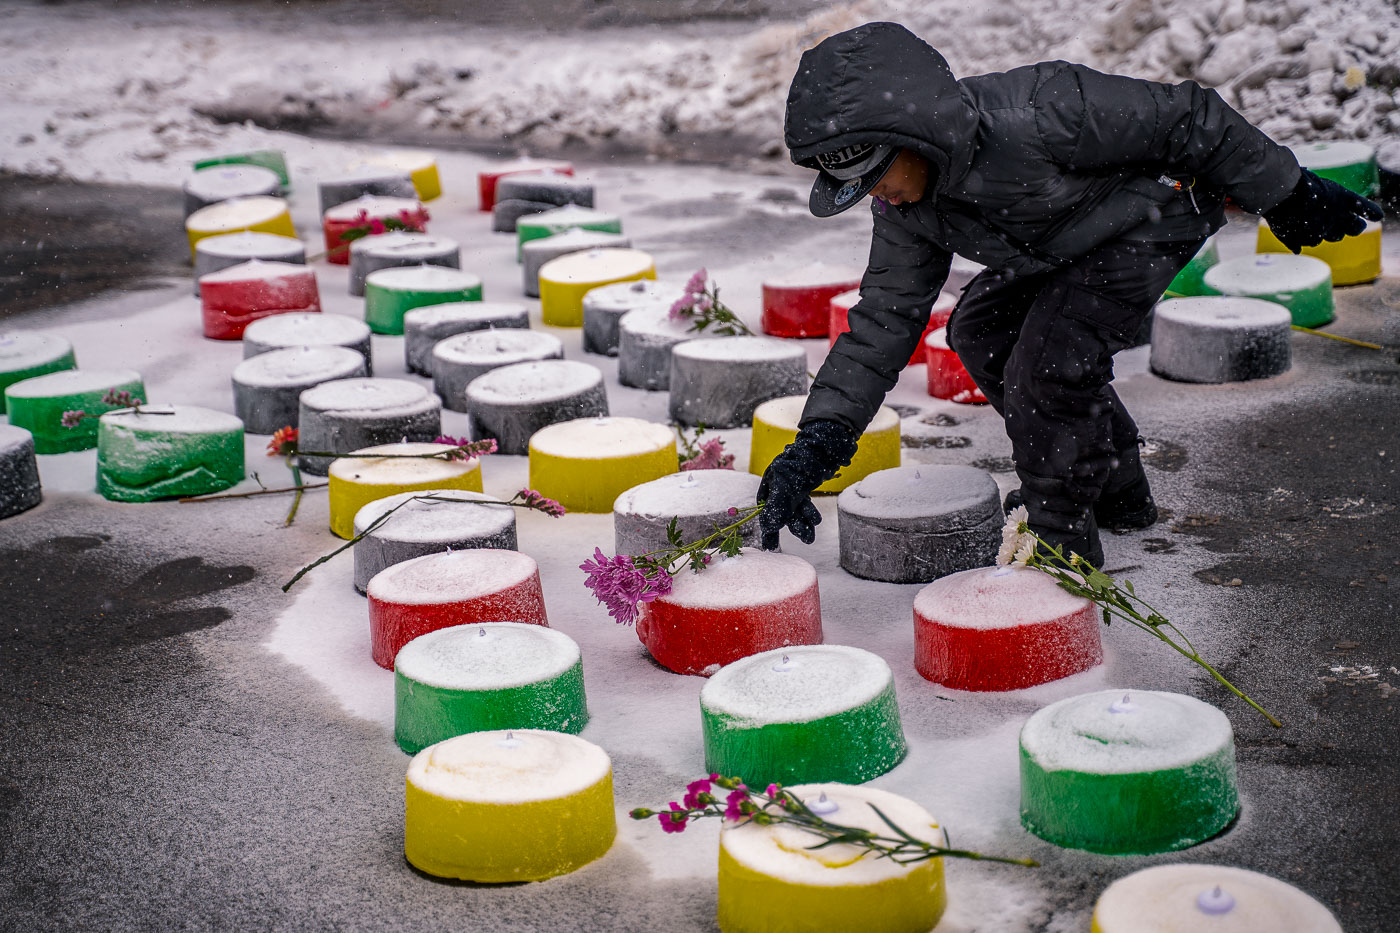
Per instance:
x=775, y=426
x=1354, y=259
x=564, y=281
x=508, y=806
x=260, y=214
x=771, y=881
x=421, y=167
x=357, y=481
x=1217, y=898
x=587, y=463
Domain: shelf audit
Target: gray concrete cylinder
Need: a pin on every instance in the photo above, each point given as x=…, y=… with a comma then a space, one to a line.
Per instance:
x=420, y=526
x=307, y=329
x=914, y=524
x=267, y=388
x=719, y=381
x=645, y=338
x=424, y=327
x=399, y=248
x=511, y=403
x=604, y=307
x=1220, y=339
x=346, y=415
x=19, y=471
x=458, y=360
x=700, y=500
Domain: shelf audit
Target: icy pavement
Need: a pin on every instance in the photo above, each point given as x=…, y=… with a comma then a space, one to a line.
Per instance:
x=240, y=771
x=184, y=746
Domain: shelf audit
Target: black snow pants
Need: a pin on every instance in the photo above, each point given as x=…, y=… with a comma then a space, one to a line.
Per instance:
x=1040, y=347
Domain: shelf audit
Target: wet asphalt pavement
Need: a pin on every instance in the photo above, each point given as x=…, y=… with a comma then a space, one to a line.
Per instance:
x=151, y=780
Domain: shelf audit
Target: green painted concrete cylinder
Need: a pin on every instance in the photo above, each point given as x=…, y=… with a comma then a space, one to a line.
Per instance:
x=164, y=451
x=38, y=404
x=1302, y=284
x=802, y=713
x=1130, y=773
x=484, y=676
x=392, y=293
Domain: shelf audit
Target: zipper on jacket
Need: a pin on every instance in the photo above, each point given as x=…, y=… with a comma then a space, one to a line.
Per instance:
x=1177, y=184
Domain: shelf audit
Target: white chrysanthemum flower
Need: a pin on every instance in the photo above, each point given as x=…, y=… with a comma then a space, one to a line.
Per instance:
x=1016, y=547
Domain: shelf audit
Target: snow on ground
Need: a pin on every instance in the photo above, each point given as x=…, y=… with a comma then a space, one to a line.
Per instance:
x=647, y=718
x=107, y=103
x=123, y=95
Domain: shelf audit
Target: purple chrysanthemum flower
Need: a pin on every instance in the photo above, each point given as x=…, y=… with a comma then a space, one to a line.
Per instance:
x=618, y=583
x=734, y=803
x=696, y=284
x=711, y=456
x=681, y=307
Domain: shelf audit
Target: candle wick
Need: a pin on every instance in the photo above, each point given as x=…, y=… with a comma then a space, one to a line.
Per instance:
x=510, y=736
x=481, y=633
x=1127, y=699
x=1217, y=892
x=785, y=659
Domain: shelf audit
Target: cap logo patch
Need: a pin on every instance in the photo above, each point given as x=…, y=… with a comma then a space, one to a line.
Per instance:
x=848, y=191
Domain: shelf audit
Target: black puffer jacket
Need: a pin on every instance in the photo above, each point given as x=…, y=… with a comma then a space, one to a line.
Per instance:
x=1030, y=169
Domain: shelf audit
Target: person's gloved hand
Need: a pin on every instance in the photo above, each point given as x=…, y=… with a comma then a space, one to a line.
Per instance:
x=1320, y=209
x=821, y=448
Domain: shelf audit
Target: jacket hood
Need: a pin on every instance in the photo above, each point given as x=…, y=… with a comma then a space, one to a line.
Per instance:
x=880, y=83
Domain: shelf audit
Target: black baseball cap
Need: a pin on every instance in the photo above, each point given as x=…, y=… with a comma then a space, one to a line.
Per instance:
x=847, y=174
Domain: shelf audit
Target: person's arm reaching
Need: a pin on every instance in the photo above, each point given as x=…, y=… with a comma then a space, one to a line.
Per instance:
x=1089, y=120
x=901, y=283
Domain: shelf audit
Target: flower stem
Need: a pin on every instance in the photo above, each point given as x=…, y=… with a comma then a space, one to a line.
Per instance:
x=296, y=500
x=256, y=492
x=515, y=501
x=1099, y=587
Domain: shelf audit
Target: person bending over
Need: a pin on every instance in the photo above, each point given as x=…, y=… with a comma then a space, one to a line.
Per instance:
x=1083, y=194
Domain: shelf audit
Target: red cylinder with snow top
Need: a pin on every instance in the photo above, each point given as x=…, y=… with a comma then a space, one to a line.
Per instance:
x=798, y=302
x=232, y=298
x=368, y=213
x=838, y=321
x=486, y=181
x=1002, y=628
x=452, y=588
x=947, y=376
x=733, y=608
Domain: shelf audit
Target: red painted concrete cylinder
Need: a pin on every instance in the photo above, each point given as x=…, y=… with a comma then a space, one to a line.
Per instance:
x=233, y=298
x=734, y=608
x=432, y=592
x=947, y=376
x=1002, y=628
x=798, y=303
x=841, y=305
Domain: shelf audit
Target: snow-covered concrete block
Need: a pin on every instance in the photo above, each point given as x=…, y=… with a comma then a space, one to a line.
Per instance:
x=511, y=403
x=458, y=360
x=1220, y=339
x=425, y=326
x=719, y=381
x=914, y=524
x=267, y=388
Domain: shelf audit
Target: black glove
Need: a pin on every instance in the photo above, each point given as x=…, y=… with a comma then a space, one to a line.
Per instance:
x=821, y=448
x=1320, y=209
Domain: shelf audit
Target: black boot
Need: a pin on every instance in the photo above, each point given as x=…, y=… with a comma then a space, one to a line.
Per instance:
x=1126, y=502
x=1084, y=541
